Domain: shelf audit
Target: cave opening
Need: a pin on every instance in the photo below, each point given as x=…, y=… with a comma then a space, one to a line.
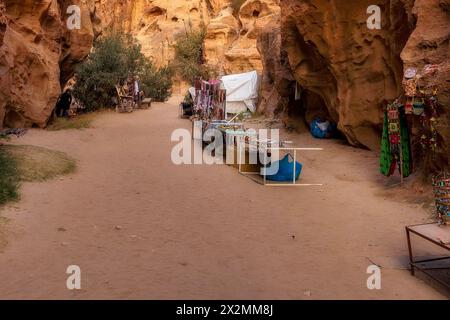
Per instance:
x=304, y=106
x=13, y=119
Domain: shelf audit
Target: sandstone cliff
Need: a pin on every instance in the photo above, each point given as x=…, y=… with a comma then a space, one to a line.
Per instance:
x=34, y=47
x=38, y=53
x=323, y=48
x=231, y=39
x=345, y=70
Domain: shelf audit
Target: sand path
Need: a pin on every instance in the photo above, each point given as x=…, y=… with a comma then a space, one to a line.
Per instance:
x=140, y=227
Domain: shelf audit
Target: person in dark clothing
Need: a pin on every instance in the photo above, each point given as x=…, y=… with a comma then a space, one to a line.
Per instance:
x=63, y=104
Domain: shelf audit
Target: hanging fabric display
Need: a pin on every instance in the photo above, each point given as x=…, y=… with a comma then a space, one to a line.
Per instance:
x=433, y=124
x=210, y=99
x=395, y=145
x=410, y=84
x=428, y=120
x=386, y=155
x=409, y=105
x=441, y=186
x=418, y=107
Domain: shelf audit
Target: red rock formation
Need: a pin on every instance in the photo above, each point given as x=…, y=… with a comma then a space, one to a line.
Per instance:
x=334, y=55
x=29, y=56
x=430, y=44
x=277, y=80
x=347, y=70
x=33, y=42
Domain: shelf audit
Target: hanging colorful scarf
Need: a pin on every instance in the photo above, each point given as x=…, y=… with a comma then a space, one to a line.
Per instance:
x=395, y=143
x=386, y=155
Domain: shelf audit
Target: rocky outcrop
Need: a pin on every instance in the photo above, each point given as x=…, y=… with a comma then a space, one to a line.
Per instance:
x=156, y=23
x=345, y=70
x=33, y=43
x=341, y=68
x=430, y=44
x=231, y=40
x=334, y=55
x=29, y=56
x=38, y=52
x=277, y=85
x=222, y=31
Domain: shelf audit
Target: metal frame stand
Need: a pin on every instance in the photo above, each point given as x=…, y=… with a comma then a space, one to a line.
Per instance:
x=294, y=182
x=418, y=264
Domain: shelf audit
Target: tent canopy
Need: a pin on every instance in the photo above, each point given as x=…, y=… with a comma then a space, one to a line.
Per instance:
x=242, y=91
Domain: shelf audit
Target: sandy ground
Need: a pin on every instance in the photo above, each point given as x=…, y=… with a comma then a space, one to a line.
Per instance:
x=140, y=227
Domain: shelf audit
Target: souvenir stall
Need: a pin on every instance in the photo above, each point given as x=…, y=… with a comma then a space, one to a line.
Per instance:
x=413, y=120
x=233, y=95
x=410, y=120
x=209, y=100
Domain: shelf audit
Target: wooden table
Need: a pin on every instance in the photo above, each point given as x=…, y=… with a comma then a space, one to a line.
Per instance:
x=439, y=235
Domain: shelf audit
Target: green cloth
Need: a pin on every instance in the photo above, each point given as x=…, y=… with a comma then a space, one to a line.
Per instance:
x=387, y=159
x=386, y=155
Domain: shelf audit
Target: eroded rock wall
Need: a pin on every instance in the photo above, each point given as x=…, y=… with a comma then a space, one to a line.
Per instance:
x=34, y=43
x=156, y=23
x=231, y=40
x=38, y=53
x=29, y=61
x=351, y=70
x=430, y=44
x=343, y=68
x=277, y=83
x=333, y=54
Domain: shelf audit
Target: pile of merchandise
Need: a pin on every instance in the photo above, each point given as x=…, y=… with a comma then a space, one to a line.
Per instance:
x=441, y=184
x=417, y=107
x=421, y=101
x=210, y=100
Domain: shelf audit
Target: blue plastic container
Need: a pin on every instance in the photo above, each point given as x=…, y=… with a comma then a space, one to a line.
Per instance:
x=286, y=170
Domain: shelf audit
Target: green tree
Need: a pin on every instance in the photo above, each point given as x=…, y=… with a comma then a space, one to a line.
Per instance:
x=188, y=61
x=157, y=83
x=115, y=57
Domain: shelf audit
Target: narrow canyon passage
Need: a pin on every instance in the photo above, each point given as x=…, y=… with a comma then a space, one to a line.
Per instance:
x=140, y=227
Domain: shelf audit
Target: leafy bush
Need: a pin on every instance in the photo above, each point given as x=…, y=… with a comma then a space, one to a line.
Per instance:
x=188, y=61
x=157, y=83
x=115, y=57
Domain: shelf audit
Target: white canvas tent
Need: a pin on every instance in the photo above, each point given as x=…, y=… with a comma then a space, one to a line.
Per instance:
x=242, y=91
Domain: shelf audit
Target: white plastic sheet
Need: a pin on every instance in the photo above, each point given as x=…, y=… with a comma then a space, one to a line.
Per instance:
x=242, y=91
x=192, y=92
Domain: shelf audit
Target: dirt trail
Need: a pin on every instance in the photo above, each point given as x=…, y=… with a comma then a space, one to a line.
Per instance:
x=141, y=227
